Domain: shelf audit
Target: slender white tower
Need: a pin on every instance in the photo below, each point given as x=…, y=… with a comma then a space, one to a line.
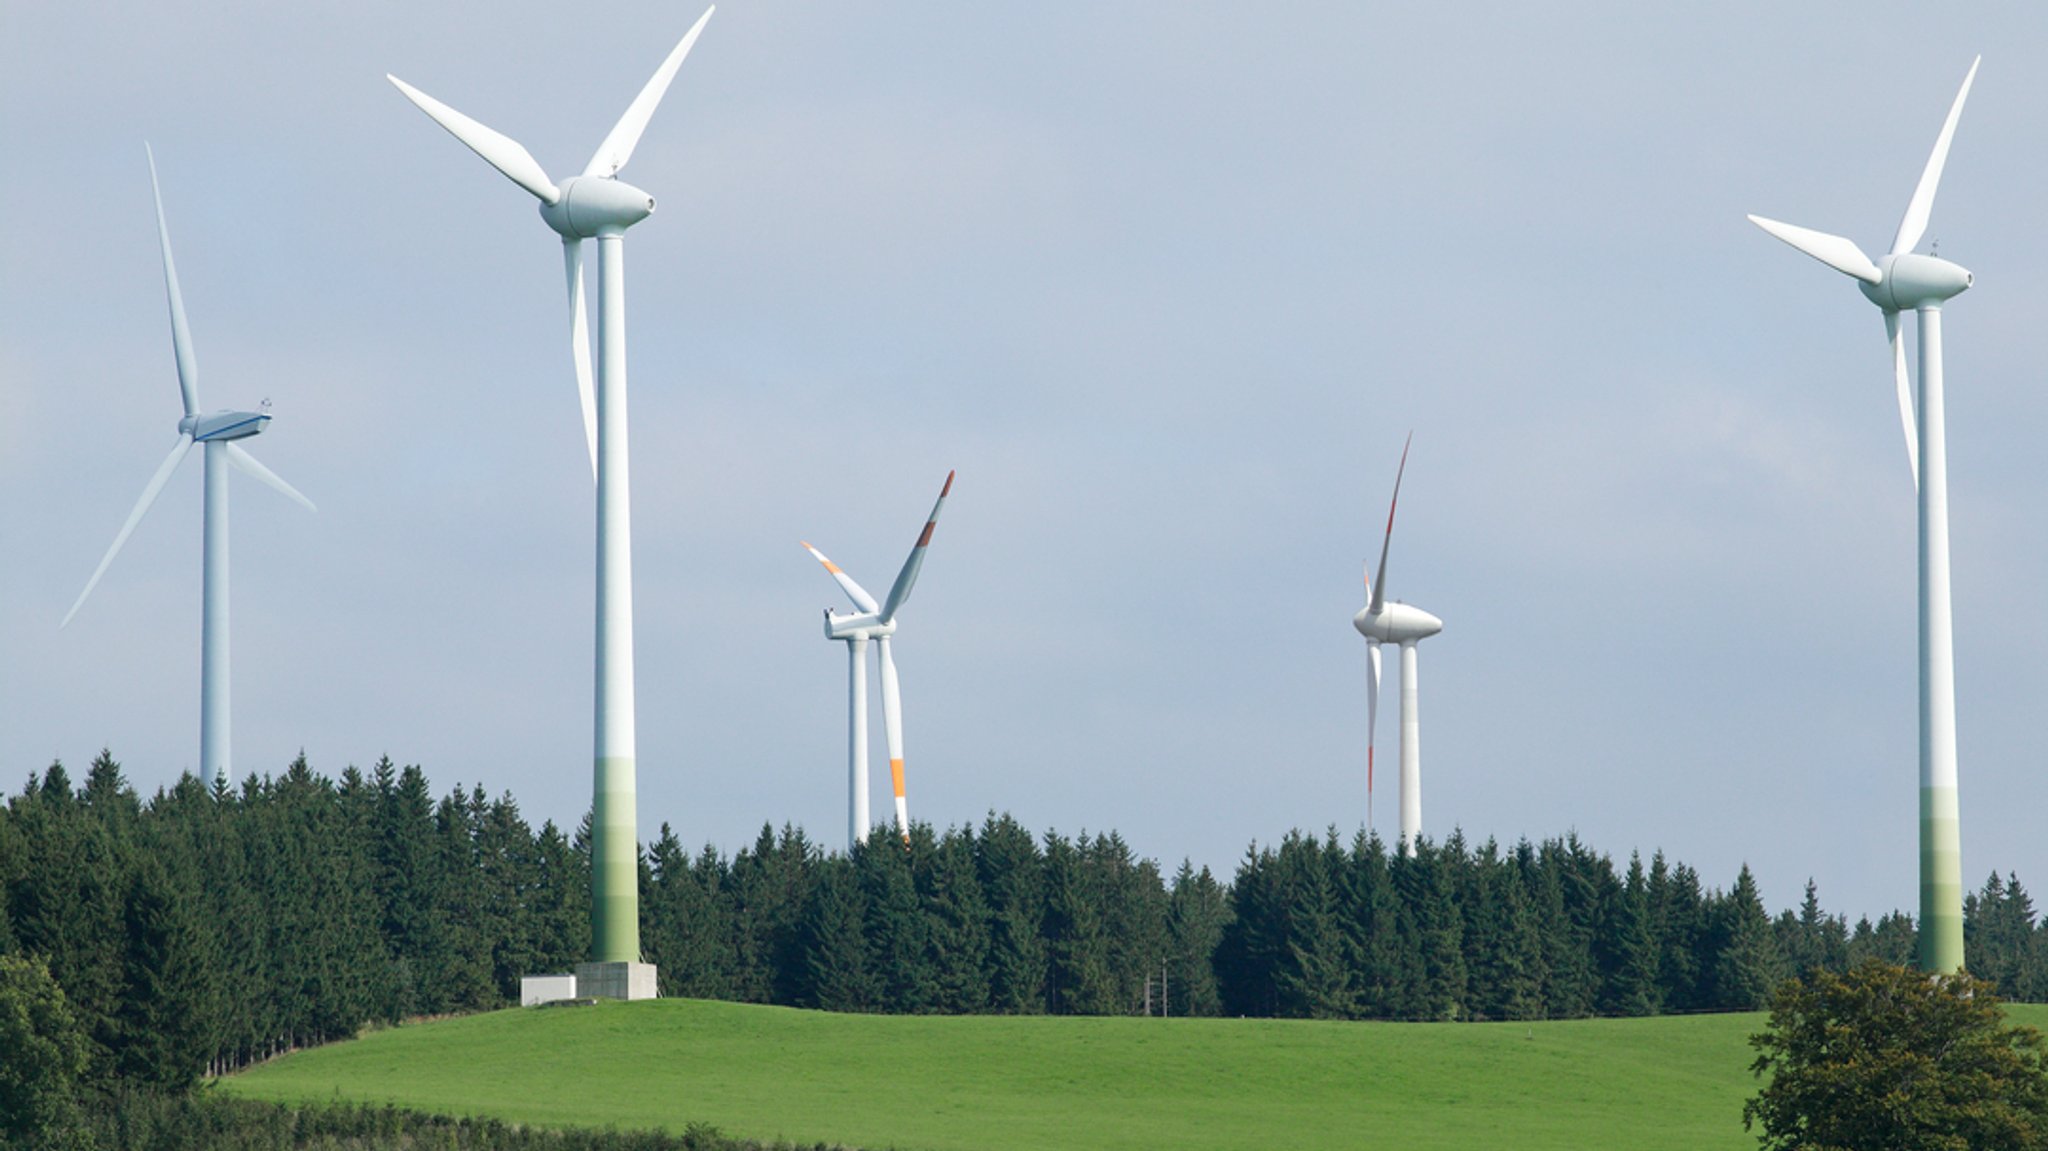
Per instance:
x=1380, y=621
x=596, y=205
x=1905, y=281
x=218, y=431
x=875, y=622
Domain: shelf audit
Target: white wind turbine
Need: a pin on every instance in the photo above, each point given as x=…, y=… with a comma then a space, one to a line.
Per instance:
x=597, y=205
x=1380, y=621
x=875, y=622
x=1899, y=282
x=218, y=431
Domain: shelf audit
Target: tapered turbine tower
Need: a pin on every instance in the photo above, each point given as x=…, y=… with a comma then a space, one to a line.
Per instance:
x=596, y=205
x=1380, y=621
x=1905, y=281
x=218, y=431
x=875, y=622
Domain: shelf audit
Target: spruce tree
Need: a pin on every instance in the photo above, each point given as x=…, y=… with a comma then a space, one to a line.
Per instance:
x=837, y=968
x=1372, y=921
x=896, y=931
x=1196, y=912
x=1082, y=982
x=1013, y=884
x=1746, y=965
x=1315, y=975
x=1249, y=955
x=1634, y=949
x=168, y=1010
x=957, y=917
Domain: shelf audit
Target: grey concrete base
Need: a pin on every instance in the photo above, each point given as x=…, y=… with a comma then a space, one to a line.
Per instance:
x=615, y=981
x=535, y=990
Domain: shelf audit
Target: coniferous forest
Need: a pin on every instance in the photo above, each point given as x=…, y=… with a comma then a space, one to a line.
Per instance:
x=197, y=931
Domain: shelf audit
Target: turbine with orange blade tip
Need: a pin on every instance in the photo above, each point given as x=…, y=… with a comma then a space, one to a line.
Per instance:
x=875, y=622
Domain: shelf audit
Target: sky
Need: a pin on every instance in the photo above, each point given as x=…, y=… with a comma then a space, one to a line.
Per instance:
x=1168, y=284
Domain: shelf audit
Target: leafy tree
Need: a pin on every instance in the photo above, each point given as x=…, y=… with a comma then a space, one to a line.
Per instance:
x=1886, y=1058
x=46, y=1056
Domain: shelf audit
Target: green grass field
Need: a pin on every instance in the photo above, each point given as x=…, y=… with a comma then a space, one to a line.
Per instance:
x=922, y=1083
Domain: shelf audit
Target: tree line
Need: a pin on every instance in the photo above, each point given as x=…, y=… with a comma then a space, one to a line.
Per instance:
x=202, y=929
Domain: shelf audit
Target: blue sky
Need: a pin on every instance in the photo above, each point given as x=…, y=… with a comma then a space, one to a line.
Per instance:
x=1167, y=284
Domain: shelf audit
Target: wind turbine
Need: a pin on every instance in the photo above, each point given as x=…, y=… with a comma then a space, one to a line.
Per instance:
x=218, y=431
x=597, y=205
x=1902, y=281
x=1380, y=621
x=875, y=622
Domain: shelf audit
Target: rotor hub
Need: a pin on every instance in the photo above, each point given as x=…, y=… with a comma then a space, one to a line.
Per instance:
x=865, y=625
x=1396, y=623
x=593, y=206
x=1912, y=281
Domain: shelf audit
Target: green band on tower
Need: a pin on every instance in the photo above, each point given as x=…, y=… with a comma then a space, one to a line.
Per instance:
x=614, y=865
x=1941, y=882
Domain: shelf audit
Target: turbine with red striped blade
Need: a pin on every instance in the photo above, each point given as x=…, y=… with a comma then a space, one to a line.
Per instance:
x=218, y=431
x=875, y=622
x=1380, y=621
x=597, y=205
x=1907, y=281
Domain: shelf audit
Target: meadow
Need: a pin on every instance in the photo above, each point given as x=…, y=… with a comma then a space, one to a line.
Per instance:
x=1024, y=1083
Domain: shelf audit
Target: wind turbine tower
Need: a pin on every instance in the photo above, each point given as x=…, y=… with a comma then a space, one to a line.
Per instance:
x=596, y=205
x=1900, y=282
x=219, y=432
x=875, y=622
x=1380, y=621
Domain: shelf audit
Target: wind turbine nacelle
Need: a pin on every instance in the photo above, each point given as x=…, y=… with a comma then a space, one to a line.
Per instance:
x=593, y=206
x=866, y=625
x=1911, y=281
x=217, y=427
x=1396, y=623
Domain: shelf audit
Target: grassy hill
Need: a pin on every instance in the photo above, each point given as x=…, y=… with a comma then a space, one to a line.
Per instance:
x=924, y=1083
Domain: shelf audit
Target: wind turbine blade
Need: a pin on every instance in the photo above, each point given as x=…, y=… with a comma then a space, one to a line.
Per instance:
x=1906, y=417
x=240, y=457
x=498, y=150
x=858, y=594
x=899, y=594
x=1837, y=252
x=625, y=135
x=181, y=334
x=1921, y=206
x=892, y=732
x=579, y=343
x=1372, y=716
x=149, y=494
x=1379, y=582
